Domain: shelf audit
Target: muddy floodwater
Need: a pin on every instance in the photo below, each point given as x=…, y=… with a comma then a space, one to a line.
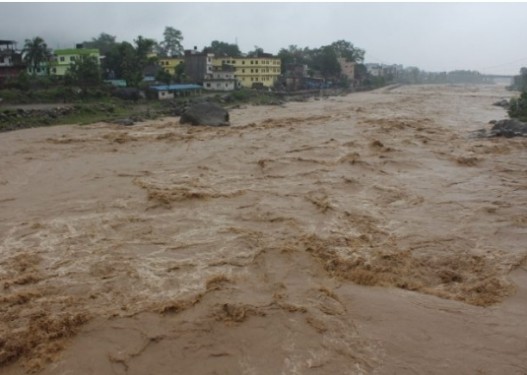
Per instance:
x=363, y=234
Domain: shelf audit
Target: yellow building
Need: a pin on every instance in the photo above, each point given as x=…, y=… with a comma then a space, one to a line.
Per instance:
x=251, y=70
x=169, y=64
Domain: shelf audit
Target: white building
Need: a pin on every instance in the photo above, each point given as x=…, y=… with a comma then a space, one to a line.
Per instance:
x=220, y=80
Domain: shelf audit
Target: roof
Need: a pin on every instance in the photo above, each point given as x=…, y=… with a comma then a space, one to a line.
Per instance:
x=76, y=51
x=116, y=82
x=178, y=87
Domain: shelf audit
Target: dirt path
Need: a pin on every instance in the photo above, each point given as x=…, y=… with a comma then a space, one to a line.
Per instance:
x=360, y=234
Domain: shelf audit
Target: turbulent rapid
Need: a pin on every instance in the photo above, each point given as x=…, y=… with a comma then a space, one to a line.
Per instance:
x=367, y=233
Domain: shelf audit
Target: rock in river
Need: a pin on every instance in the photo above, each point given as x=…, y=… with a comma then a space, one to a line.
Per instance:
x=509, y=128
x=205, y=113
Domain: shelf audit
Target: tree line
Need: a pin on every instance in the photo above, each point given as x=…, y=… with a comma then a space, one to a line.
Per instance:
x=518, y=106
x=128, y=60
x=125, y=60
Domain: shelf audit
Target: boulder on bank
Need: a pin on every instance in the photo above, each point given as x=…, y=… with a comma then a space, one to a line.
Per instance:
x=502, y=103
x=205, y=113
x=129, y=93
x=509, y=128
x=124, y=122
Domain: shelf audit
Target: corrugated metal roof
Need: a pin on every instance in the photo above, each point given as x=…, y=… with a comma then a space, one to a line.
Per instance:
x=177, y=87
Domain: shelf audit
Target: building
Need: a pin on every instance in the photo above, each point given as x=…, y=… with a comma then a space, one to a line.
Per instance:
x=164, y=92
x=11, y=63
x=221, y=79
x=169, y=64
x=64, y=58
x=382, y=70
x=347, y=68
x=294, y=77
x=374, y=69
x=253, y=71
x=197, y=65
x=41, y=70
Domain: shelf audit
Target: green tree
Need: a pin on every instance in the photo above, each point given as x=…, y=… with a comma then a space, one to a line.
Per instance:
x=104, y=43
x=346, y=50
x=293, y=55
x=258, y=51
x=36, y=52
x=520, y=81
x=325, y=61
x=179, y=74
x=163, y=76
x=128, y=66
x=85, y=72
x=171, y=44
x=222, y=49
x=518, y=107
x=144, y=47
x=126, y=61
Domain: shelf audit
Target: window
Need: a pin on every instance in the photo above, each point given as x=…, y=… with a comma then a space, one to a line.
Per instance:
x=62, y=58
x=256, y=70
x=208, y=84
x=54, y=70
x=243, y=62
x=72, y=58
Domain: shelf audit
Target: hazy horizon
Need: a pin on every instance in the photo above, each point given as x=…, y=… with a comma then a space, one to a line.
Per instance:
x=432, y=36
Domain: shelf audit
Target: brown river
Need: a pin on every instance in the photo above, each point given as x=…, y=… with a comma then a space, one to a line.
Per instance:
x=363, y=234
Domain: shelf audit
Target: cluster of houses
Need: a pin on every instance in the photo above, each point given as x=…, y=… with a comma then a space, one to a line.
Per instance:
x=205, y=70
x=12, y=64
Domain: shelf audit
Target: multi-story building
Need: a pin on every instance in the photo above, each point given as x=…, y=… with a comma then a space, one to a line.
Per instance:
x=64, y=58
x=252, y=71
x=11, y=63
x=374, y=69
x=198, y=65
x=221, y=79
x=347, y=67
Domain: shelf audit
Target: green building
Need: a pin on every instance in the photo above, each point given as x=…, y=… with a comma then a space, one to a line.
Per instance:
x=64, y=58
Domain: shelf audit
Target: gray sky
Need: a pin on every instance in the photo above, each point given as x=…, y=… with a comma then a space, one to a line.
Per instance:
x=489, y=37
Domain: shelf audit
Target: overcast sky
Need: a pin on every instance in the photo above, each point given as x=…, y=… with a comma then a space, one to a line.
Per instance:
x=489, y=37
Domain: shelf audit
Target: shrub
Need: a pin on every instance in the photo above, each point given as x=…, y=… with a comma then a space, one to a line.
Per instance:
x=518, y=107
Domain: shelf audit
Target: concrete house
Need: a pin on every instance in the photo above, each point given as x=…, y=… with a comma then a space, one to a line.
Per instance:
x=169, y=64
x=164, y=92
x=347, y=68
x=197, y=65
x=64, y=58
x=221, y=79
x=11, y=63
